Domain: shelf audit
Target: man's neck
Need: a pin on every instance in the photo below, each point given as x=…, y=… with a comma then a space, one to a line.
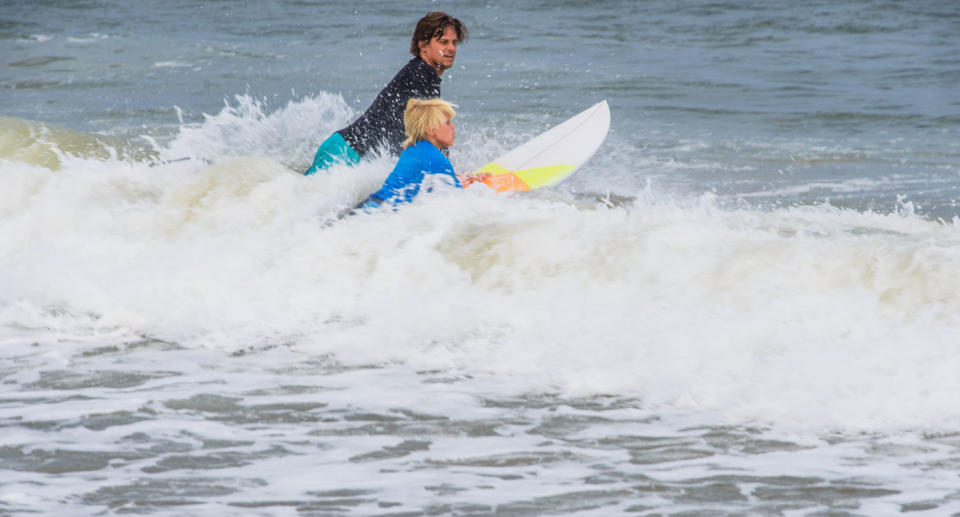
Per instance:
x=436, y=68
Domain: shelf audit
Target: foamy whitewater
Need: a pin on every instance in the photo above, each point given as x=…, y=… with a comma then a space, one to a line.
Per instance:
x=747, y=303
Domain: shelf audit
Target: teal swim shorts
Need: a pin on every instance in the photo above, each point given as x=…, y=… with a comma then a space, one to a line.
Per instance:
x=333, y=150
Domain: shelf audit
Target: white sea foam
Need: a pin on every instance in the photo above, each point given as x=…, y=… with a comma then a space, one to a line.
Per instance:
x=854, y=185
x=807, y=316
x=89, y=38
x=171, y=64
x=36, y=38
x=249, y=127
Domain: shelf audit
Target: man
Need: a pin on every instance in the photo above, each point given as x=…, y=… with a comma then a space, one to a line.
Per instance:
x=434, y=47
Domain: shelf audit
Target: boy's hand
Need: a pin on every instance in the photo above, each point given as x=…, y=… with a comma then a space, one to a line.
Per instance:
x=472, y=178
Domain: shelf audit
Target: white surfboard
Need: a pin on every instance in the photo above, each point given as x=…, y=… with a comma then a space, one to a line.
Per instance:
x=553, y=155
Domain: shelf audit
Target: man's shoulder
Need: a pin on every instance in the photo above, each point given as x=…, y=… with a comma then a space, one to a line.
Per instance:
x=417, y=68
x=418, y=64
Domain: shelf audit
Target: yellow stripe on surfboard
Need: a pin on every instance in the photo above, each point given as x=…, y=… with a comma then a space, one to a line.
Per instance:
x=503, y=180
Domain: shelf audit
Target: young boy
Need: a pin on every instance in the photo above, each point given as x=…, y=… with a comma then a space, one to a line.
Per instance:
x=428, y=124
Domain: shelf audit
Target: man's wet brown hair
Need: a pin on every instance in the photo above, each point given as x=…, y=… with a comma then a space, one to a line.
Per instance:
x=432, y=25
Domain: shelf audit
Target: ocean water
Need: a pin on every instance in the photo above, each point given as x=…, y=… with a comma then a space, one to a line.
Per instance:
x=747, y=303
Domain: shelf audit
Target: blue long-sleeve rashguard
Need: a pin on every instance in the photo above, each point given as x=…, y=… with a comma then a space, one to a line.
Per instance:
x=403, y=184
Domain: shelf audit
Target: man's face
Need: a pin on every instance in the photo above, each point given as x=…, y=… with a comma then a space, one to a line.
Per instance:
x=440, y=51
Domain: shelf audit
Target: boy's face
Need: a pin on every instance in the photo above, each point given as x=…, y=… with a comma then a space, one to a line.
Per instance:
x=444, y=135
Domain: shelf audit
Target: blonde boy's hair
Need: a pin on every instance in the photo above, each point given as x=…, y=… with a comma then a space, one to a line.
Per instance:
x=423, y=115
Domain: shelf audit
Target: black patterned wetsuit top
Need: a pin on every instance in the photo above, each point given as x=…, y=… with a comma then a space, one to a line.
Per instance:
x=382, y=123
